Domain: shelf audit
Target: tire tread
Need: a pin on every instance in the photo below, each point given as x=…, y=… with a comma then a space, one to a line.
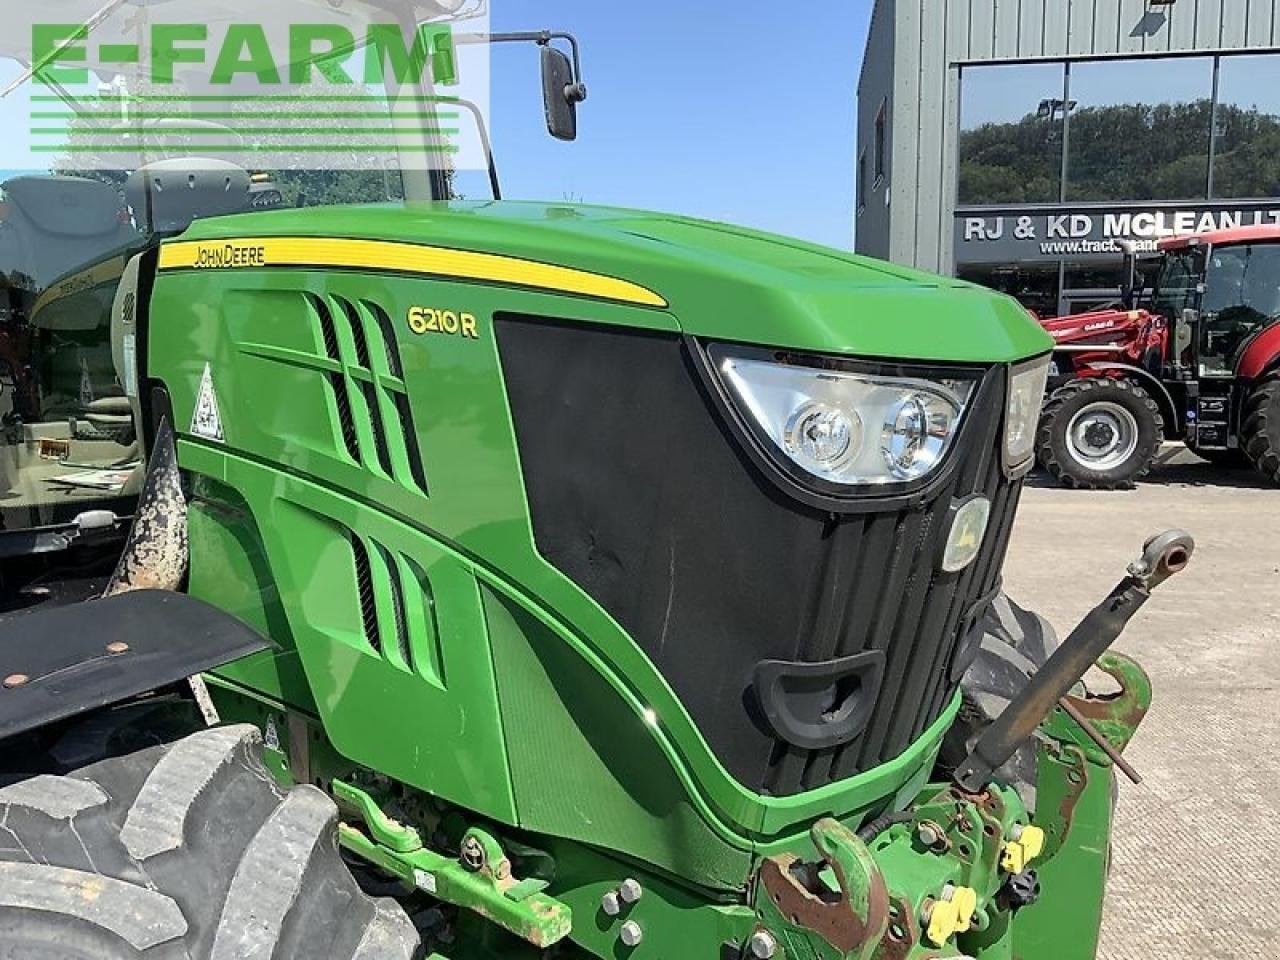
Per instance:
x=1057, y=463
x=1260, y=428
x=235, y=866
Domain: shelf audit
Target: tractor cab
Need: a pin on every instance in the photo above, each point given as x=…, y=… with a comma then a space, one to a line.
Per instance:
x=1219, y=292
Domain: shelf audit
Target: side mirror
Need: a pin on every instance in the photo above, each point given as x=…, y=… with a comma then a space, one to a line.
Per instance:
x=561, y=93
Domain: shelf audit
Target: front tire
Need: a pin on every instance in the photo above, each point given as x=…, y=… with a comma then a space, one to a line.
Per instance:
x=1014, y=645
x=1099, y=433
x=1260, y=434
x=188, y=851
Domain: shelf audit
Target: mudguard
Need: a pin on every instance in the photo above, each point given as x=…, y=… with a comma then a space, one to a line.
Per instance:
x=70, y=660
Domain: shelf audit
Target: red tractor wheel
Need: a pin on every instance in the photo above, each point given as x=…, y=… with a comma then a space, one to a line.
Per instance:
x=1099, y=433
x=1260, y=434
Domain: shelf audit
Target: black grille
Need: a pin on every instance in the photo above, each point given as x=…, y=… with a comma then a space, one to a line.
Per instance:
x=643, y=494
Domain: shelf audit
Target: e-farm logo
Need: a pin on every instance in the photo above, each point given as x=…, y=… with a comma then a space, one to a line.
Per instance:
x=246, y=50
x=117, y=92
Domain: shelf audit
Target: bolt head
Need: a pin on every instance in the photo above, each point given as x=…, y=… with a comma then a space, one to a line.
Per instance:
x=630, y=890
x=928, y=835
x=16, y=680
x=117, y=648
x=631, y=934
x=762, y=945
x=611, y=904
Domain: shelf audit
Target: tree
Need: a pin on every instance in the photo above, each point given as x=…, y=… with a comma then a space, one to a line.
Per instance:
x=1123, y=152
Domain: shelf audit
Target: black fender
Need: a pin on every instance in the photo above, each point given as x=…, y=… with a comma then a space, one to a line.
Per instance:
x=66, y=661
x=1160, y=393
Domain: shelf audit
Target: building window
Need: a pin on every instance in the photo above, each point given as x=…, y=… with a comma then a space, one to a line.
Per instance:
x=1011, y=133
x=880, y=149
x=862, y=181
x=1139, y=129
x=1246, y=129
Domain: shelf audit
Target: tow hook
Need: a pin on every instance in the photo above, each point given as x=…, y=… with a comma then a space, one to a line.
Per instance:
x=1162, y=557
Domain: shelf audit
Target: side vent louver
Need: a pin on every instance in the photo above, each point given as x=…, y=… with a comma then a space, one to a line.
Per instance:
x=337, y=383
x=375, y=417
x=364, y=587
x=388, y=330
x=397, y=608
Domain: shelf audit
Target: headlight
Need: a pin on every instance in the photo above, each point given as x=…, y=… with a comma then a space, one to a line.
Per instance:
x=1022, y=414
x=848, y=428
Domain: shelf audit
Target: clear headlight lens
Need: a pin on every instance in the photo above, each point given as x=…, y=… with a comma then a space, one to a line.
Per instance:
x=849, y=428
x=1022, y=413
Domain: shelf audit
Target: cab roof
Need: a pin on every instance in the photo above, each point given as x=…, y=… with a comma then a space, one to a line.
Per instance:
x=1251, y=234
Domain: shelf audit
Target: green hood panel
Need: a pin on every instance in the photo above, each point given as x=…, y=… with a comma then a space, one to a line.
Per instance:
x=722, y=282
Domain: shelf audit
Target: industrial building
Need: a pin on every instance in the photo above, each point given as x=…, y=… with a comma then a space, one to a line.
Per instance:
x=1011, y=142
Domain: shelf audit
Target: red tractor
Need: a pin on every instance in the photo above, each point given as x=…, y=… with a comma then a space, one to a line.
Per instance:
x=1198, y=361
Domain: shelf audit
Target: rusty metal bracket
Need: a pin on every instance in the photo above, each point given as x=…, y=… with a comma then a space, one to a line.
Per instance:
x=1062, y=778
x=1118, y=716
x=850, y=919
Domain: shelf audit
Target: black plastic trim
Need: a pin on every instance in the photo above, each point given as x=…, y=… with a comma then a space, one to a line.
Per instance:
x=812, y=705
x=63, y=653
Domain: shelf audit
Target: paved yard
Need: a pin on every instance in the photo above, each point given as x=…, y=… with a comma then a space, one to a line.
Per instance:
x=1197, y=856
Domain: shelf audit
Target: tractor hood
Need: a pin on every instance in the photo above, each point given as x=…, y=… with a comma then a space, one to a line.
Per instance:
x=718, y=282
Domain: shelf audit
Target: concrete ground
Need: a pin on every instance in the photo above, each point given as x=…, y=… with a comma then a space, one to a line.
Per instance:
x=1197, y=852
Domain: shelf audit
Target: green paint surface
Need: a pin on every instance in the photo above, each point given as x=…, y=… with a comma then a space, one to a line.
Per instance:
x=505, y=692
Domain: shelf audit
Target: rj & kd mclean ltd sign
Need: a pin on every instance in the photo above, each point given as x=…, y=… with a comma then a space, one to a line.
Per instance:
x=1033, y=236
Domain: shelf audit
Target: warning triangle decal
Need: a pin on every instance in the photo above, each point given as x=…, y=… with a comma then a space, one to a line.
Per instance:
x=206, y=422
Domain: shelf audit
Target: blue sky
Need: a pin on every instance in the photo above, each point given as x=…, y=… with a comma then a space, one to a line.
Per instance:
x=734, y=110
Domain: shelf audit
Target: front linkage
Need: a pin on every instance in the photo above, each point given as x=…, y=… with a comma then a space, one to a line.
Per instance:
x=958, y=873
x=961, y=873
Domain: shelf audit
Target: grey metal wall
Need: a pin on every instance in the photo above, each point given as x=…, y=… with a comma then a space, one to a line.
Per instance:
x=932, y=38
x=875, y=86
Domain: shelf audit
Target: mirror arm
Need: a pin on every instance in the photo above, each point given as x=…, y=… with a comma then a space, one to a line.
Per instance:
x=542, y=38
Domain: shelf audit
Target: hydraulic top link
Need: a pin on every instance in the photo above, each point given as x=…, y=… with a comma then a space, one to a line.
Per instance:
x=1162, y=557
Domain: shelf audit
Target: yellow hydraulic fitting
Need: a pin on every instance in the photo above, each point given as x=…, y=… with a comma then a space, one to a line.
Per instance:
x=1026, y=845
x=951, y=915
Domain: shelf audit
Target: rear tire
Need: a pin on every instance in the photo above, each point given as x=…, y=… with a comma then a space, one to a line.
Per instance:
x=188, y=851
x=1099, y=433
x=1260, y=433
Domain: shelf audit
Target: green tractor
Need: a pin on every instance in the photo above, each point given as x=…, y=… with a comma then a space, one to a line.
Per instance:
x=487, y=579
